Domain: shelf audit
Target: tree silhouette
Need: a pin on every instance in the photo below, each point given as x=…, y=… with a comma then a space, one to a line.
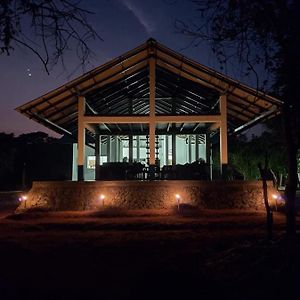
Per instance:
x=48, y=28
x=262, y=33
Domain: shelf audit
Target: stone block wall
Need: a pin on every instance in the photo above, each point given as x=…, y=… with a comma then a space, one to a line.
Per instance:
x=71, y=195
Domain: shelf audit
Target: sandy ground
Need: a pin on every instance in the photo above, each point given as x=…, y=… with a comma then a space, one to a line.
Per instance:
x=115, y=254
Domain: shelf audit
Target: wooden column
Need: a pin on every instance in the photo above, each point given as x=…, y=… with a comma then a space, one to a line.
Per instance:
x=223, y=135
x=97, y=155
x=152, y=143
x=152, y=111
x=81, y=139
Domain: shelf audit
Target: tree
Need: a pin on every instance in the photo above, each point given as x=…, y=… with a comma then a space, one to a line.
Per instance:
x=245, y=154
x=33, y=156
x=263, y=34
x=48, y=28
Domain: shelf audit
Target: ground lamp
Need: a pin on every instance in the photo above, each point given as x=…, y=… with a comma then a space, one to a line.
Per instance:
x=102, y=197
x=276, y=198
x=23, y=199
x=177, y=196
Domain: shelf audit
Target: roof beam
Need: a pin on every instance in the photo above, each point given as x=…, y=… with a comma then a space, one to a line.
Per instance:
x=119, y=74
x=210, y=76
x=214, y=127
x=96, y=119
x=196, y=127
x=255, y=121
x=168, y=127
x=95, y=113
x=61, y=129
x=181, y=127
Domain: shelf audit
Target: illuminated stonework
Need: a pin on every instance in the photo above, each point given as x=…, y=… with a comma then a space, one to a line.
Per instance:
x=148, y=194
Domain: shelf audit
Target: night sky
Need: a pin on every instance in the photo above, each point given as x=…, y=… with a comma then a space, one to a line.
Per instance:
x=123, y=25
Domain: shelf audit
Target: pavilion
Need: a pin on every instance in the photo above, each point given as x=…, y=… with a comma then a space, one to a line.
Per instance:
x=149, y=105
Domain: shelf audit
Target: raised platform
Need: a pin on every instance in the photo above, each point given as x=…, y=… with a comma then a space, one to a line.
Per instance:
x=70, y=195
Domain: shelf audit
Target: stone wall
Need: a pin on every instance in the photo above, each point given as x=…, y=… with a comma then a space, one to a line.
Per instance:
x=70, y=195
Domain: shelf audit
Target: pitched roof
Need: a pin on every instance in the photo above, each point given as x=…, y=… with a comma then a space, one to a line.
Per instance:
x=121, y=86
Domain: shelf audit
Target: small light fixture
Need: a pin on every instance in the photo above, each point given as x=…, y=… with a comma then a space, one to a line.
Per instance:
x=278, y=198
x=177, y=196
x=102, y=197
x=23, y=199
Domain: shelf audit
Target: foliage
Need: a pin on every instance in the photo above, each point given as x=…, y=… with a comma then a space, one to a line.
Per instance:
x=254, y=35
x=245, y=155
x=48, y=28
x=36, y=155
x=262, y=33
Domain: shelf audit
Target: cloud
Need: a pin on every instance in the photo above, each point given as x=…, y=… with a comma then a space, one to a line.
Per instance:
x=139, y=15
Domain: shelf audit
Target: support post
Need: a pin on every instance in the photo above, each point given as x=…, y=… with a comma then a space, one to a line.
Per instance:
x=115, y=149
x=130, y=145
x=119, y=150
x=223, y=136
x=173, y=149
x=190, y=148
x=152, y=143
x=207, y=148
x=138, y=148
x=81, y=138
x=108, y=146
x=196, y=146
x=152, y=111
x=166, y=150
x=208, y=153
x=97, y=155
